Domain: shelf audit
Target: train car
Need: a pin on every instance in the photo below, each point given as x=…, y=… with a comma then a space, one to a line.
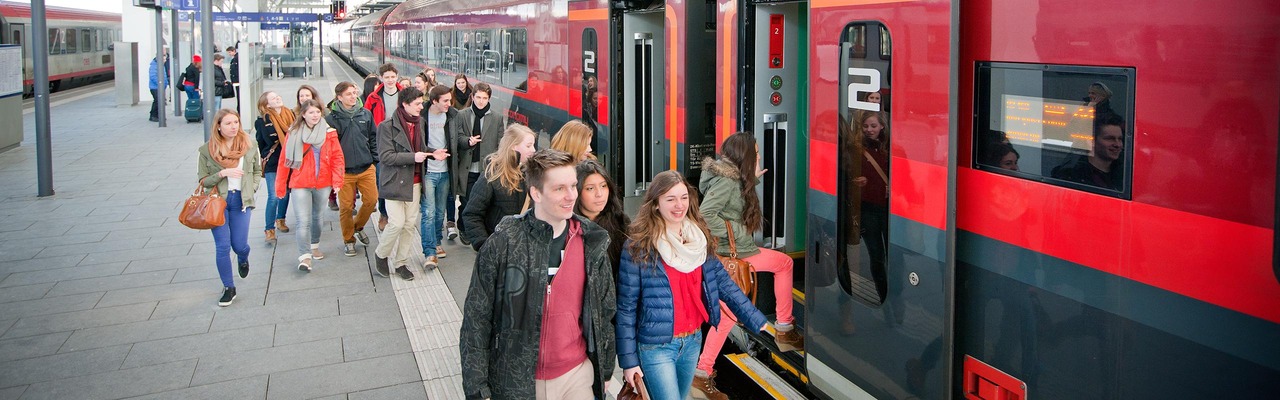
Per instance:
x=1076, y=205
x=80, y=42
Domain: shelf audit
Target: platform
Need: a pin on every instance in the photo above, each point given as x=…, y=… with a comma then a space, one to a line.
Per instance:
x=104, y=295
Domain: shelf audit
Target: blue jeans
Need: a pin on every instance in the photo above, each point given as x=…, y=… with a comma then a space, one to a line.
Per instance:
x=435, y=186
x=668, y=368
x=191, y=92
x=310, y=202
x=233, y=235
x=276, y=207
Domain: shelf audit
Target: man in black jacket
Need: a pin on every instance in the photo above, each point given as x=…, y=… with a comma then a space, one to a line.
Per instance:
x=359, y=146
x=476, y=131
x=233, y=69
x=537, y=321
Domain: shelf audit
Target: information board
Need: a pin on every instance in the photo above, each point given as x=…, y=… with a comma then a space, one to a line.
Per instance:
x=10, y=70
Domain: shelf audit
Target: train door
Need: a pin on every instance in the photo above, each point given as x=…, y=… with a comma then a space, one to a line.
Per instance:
x=643, y=43
x=590, y=68
x=773, y=113
x=878, y=264
x=667, y=96
x=18, y=36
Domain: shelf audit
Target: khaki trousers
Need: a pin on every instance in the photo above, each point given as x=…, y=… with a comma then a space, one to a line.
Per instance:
x=573, y=385
x=401, y=241
x=367, y=183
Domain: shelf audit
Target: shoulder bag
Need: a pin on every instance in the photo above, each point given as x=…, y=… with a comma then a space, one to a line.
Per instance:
x=263, y=171
x=204, y=210
x=738, y=269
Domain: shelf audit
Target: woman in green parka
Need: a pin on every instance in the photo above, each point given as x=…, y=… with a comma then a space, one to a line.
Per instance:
x=230, y=163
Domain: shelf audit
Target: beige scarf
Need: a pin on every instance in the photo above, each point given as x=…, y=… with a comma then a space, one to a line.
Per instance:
x=683, y=254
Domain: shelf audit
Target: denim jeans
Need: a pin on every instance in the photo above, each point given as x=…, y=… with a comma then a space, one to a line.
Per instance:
x=309, y=203
x=192, y=93
x=435, y=186
x=233, y=235
x=276, y=207
x=668, y=368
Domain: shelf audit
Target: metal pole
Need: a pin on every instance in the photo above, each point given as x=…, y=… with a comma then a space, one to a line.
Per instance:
x=160, y=68
x=173, y=35
x=206, y=33
x=40, y=61
x=321, y=55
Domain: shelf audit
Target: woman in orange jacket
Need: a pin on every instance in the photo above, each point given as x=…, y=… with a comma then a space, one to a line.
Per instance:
x=310, y=166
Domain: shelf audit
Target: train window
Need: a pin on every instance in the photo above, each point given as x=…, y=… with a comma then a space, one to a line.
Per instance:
x=1063, y=125
x=515, y=63
x=864, y=168
x=97, y=39
x=885, y=49
x=86, y=43
x=71, y=41
x=55, y=41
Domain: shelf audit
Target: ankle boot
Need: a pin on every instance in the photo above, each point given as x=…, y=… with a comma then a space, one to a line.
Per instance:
x=705, y=388
x=280, y=226
x=790, y=340
x=271, y=235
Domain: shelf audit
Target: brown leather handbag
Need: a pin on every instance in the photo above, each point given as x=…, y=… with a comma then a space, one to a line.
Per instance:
x=204, y=210
x=738, y=269
x=629, y=392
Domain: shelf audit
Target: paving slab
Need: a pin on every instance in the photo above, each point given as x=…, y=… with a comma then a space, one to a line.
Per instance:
x=140, y=331
x=374, y=345
x=116, y=384
x=413, y=390
x=32, y=346
x=70, y=321
x=343, y=378
x=58, y=366
x=60, y=274
x=197, y=346
x=244, y=389
x=302, y=356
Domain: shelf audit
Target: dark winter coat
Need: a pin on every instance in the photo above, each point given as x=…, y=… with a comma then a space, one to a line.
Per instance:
x=358, y=136
x=191, y=76
x=646, y=310
x=396, y=165
x=721, y=187
x=487, y=203
x=265, y=131
x=220, y=82
x=502, y=315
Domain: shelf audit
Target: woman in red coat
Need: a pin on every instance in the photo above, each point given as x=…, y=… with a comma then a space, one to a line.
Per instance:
x=310, y=166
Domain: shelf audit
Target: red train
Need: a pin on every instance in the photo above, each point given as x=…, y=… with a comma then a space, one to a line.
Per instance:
x=1081, y=196
x=80, y=42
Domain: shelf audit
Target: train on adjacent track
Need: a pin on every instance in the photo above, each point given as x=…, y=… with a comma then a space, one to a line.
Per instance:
x=1081, y=195
x=80, y=43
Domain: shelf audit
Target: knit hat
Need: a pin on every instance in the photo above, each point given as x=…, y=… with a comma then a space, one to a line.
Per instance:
x=195, y=59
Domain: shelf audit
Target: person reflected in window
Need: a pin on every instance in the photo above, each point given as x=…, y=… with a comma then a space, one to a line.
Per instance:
x=875, y=192
x=1002, y=155
x=1103, y=167
x=1099, y=98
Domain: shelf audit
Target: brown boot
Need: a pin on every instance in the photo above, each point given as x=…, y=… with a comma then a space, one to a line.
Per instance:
x=791, y=340
x=705, y=388
x=271, y=236
x=280, y=226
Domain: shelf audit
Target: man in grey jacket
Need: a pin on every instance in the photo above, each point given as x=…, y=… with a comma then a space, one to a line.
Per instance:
x=476, y=131
x=402, y=145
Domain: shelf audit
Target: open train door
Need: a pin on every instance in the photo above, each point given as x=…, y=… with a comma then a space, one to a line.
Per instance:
x=666, y=97
x=879, y=263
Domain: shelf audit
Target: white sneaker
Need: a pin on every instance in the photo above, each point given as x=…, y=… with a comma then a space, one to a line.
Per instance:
x=453, y=231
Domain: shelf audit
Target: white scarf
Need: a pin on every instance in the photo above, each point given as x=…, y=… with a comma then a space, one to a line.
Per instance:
x=683, y=255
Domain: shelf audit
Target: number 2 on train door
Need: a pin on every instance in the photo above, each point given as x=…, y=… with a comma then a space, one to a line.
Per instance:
x=871, y=85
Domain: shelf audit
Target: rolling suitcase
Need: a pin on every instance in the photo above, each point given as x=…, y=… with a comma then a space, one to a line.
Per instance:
x=194, y=110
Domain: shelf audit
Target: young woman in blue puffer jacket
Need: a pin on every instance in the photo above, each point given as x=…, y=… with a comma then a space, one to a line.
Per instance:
x=670, y=283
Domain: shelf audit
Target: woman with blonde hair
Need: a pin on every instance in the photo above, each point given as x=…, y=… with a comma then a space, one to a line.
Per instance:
x=274, y=120
x=574, y=138
x=669, y=283
x=311, y=165
x=500, y=191
x=230, y=163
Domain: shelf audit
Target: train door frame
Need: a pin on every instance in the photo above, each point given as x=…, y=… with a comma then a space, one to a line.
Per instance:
x=641, y=32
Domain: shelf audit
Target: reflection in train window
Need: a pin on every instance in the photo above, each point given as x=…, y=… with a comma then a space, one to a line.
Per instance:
x=865, y=173
x=515, y=59
x=71, y=41
x=55, y=41
x=1064, y=125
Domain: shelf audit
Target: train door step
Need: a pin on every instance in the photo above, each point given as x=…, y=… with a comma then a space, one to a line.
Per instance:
x=763, y=376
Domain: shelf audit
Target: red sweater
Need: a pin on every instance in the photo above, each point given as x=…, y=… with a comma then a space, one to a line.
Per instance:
x=686, y=290
x=562, y=346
